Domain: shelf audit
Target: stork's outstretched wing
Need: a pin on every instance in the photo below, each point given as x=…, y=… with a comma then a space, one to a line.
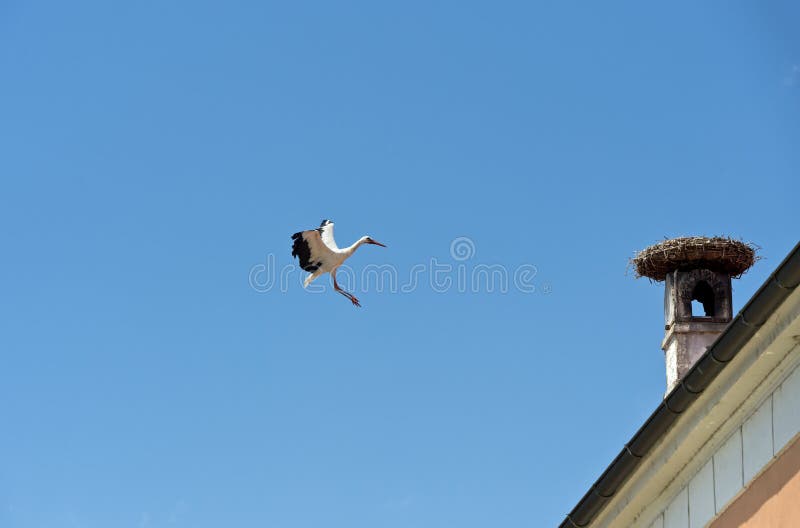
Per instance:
x=326, y=232
x=311, y=247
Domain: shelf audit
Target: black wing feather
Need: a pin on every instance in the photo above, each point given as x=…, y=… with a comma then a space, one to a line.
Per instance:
x=302, y=251
x=322, y=225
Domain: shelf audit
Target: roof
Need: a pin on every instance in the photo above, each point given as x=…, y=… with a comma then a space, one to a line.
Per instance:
x=780, y=284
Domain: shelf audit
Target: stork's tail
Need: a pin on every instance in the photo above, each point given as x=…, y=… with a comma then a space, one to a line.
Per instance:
x=310, y=278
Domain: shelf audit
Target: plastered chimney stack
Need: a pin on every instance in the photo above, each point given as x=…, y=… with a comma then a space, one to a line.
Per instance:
x=693, y=269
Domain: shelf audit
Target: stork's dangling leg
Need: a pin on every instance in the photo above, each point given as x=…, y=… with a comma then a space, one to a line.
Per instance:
x=346, y=294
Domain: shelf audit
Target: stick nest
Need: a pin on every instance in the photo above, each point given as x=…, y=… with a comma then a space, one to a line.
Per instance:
x=720, y=254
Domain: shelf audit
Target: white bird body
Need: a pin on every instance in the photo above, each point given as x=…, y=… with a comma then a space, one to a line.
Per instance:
x=318, y=253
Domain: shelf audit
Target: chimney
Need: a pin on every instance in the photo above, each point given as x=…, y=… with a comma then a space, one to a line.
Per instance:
x=693, y=269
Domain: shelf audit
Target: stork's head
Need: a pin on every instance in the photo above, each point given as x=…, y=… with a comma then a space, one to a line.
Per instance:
x=369, y=240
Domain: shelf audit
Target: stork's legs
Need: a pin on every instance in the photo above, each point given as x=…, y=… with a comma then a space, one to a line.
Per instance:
x=346, y=294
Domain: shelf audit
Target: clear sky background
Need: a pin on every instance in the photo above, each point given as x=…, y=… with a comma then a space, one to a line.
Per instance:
x=152, y=153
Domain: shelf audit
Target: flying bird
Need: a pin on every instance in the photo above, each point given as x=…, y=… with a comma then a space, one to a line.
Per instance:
x=318, y=253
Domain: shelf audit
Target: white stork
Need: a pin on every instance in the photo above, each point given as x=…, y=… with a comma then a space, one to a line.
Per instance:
x=318, y=253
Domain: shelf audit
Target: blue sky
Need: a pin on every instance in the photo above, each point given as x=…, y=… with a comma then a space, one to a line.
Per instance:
x=154, y=153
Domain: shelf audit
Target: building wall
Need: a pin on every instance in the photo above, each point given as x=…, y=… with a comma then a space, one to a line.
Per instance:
x=771, y=499
x=744, y=454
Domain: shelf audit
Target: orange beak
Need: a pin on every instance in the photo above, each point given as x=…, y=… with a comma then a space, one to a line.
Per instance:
x=377, y=243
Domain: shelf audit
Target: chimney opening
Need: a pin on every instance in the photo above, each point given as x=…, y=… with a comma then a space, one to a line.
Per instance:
x=703, y=295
